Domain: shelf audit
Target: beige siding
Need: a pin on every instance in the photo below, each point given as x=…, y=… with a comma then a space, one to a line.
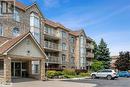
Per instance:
x=25, y=46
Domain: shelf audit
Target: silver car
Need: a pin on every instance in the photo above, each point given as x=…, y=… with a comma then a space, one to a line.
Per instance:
x=106, y=73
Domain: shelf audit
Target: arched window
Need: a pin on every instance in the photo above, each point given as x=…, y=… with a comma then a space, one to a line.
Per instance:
x=16, y=32
x=35, y=26
x=1, y=30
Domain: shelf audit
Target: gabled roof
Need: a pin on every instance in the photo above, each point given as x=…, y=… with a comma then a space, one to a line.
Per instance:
x=77, y=33
x=24, y=7
x=10, y=44
x=54, y=24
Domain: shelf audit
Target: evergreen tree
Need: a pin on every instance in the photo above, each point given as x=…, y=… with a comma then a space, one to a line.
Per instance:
x=103, y=54
x=95, y=50
x=123, y=62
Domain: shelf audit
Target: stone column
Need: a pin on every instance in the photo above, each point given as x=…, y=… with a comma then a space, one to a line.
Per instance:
x=42, y=69
x=30, y=68
x=7, y=69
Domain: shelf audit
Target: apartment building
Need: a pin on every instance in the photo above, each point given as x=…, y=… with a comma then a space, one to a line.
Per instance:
x=37, y=43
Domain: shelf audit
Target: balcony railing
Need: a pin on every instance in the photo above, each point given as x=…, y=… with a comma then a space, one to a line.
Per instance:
x=52, y=46
x=52, y=34
x=90, y=55
x=89, y=46
x=53, y=59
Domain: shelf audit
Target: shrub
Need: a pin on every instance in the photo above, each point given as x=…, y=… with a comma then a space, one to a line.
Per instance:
x=51, y=74
x=84, y=74
x=69, y=76
x=69, y=72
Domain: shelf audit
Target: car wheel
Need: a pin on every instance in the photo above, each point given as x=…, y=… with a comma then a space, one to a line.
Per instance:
x=109, y=77
x=93, y=76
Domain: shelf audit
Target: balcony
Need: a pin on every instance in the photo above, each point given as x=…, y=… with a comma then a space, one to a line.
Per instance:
x=51, y=46
x=90, y=46
x=52, y=35
x=53, y=59
x=90, y=55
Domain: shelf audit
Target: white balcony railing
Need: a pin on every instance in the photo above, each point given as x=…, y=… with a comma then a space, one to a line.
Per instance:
x=89, y=46
x=53, y=59
x=90, y=55
x=53, y=34
x=51, y=45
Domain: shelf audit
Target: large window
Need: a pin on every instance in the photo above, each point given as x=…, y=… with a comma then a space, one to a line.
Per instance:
x=64, y=35
x=16, y=32
x=16, y=15
x=1, y=30
x=63, y=46
x=35, y=26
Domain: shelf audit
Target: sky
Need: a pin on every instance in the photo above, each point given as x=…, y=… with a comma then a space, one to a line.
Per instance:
x=107, y=19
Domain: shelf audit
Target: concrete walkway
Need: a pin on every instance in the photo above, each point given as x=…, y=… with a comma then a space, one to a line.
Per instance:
x=26, y=82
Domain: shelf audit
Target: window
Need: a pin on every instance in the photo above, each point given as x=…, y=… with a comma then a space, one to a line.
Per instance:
x=64, y=35
x=72, y=50
x=63, y=46
x=72, y=60
x=71, y=39
x=63, y=58
x=4, y=7
x=16, y=16
x=0, y=9
x=1, y=67
x=35, y=68
x=16, y=32
x=1, y=30
x=35, y=26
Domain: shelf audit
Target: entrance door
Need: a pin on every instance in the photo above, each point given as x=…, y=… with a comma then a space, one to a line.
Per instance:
x=16, y=68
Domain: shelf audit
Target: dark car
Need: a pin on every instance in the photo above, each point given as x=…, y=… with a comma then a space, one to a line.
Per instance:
x=123, y=74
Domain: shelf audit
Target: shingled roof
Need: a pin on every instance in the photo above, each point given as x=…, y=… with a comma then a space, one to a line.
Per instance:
x=10, y=43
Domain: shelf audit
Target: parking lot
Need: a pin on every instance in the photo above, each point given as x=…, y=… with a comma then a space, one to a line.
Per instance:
x=26, y=82
x=120, y=82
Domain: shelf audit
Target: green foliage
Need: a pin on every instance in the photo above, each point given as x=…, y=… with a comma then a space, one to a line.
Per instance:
x=101, y=53
x=69, y=72
x=69, y=76
x=97, y=65
x=85, y=74
x=123, y=62
x=51, y=74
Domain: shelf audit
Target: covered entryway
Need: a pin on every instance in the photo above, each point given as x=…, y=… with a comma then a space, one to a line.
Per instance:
x=19, y=69
x=22, y=57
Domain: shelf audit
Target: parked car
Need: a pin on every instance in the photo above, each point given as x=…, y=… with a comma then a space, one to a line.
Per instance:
x=123, y=74
x=106, y=73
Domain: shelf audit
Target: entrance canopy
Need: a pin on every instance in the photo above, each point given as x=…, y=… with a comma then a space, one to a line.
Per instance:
x=25, y=49
x=24, y=45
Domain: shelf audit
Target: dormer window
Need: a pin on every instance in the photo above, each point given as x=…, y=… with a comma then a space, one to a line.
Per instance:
x=16, y=32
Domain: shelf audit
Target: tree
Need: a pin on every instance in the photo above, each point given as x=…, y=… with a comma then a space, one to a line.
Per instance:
x=95, y=49
x=97, y=65
x=103, y=54
x=123, y=62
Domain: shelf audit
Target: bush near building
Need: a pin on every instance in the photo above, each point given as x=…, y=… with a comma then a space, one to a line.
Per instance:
x=67, y=73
